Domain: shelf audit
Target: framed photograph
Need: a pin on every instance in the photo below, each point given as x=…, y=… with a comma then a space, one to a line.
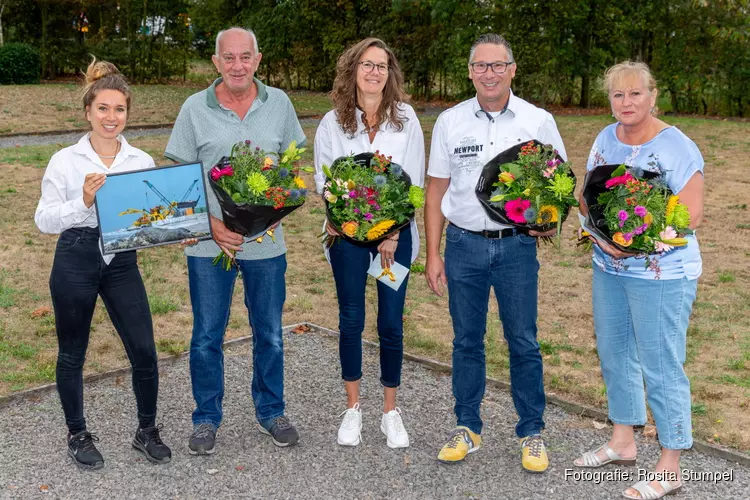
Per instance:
x=152, y=207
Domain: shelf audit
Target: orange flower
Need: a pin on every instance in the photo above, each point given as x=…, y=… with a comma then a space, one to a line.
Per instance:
x=350, y=228
x=619, y=238
x=268, y=162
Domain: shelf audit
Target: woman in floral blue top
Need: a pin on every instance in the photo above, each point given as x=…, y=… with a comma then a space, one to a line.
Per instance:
x=641, y=312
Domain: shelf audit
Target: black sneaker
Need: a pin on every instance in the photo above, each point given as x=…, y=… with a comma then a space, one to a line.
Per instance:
x=281, y=430
x=81, y=449
x=202, y=440
x=148, y=441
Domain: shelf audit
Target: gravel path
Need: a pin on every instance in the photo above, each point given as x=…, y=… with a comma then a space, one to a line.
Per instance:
x=248, y=465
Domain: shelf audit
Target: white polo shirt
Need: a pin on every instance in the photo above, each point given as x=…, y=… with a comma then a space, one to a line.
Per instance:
x=405, y=146
x=61, y=206
x=465, y=138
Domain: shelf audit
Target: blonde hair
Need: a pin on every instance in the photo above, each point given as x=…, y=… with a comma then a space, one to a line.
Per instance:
x=625, y=69
x=103, y=75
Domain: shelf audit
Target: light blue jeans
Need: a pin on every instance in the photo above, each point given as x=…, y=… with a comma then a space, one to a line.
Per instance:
x=641, y=330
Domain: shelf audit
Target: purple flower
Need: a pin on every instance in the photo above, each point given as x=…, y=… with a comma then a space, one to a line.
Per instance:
x=357, y=211
x=247, y=141
x=628, y=236
x=376, y=207
x=623, y=216
x=353, y=193
x=257, y=148
x=640, y=211
x=368, y=216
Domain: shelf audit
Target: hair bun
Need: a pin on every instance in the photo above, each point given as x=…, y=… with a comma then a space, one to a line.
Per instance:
x=100, y=69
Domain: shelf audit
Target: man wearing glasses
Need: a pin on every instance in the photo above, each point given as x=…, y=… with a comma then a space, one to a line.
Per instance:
x=480, y=253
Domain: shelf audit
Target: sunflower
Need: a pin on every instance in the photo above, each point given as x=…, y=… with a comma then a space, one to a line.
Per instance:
x=547, y=215
x=379, y=229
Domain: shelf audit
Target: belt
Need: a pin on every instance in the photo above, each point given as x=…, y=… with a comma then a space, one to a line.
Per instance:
x=502, y=233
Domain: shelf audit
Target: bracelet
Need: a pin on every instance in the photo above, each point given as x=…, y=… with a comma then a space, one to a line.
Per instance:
x=393, y=239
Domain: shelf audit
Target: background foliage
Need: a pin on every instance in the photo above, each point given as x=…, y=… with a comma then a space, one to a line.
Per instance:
x=699, y=49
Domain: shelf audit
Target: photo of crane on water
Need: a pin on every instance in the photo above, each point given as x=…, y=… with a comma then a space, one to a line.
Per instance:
x=152, y=207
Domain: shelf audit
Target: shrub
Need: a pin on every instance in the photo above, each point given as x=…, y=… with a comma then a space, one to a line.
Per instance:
x=19, y=63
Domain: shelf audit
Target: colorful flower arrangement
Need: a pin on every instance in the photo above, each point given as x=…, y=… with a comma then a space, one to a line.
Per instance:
x=254, y=192
x=252, y=177
x=536, y=189
x=367, y=202
x=642, y=216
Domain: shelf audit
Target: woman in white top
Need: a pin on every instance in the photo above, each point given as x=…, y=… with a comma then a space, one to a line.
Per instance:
x=370, y=115
x=80, y=272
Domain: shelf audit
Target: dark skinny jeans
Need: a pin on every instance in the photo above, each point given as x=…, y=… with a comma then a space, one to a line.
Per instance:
x=78, y=276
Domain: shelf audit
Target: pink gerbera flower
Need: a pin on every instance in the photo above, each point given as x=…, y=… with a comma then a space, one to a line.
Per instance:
x=514, y=209
x=618, y=181
x=218, y=173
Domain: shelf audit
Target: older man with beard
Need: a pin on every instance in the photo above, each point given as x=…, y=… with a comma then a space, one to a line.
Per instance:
x=236, y=107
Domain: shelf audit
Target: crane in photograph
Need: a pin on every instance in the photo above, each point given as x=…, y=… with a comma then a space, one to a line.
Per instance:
x=166, y=209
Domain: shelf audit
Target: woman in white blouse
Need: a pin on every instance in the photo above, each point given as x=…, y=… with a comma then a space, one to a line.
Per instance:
x=370, y=115
x=80, y=272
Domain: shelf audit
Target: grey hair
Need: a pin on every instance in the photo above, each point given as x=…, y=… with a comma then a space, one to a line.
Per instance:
x=494, y=39
x=248, y=31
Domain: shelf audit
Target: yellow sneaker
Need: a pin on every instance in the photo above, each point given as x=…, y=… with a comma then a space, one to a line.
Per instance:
x=460, y=443
x=534, y=454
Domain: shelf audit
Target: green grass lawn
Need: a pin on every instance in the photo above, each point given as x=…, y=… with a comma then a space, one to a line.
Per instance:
x=718, y=351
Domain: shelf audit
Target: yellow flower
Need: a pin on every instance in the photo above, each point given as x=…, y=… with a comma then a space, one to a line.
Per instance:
x=350, y=184
x=379, y=229
x=299, y=182
x=527, y=192
x=547, y=215
x=619, y=238
x=648, y=218
x=268, y=162
x=506, y=177
x=671, y=204
x=350, y=228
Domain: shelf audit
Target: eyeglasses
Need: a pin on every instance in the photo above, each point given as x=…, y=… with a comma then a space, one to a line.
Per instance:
x=368, y=66
x=497, y=67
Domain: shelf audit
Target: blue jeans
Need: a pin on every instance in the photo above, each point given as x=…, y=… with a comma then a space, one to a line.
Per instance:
x=473, y=264
x=350, y=264
x=641, y=331
x=211, y=290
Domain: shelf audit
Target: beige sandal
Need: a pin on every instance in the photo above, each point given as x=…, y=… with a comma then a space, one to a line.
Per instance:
x=647, y=492
x=591, y=460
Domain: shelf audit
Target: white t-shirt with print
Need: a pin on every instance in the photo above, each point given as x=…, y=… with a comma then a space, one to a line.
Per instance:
x=465, y=139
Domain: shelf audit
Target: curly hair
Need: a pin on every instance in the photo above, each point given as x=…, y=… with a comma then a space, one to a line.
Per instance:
x=344, y=93
x=103, y=75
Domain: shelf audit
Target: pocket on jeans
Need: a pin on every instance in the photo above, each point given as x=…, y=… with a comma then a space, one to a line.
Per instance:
x=453, y=234
x=526, y=239
x=67, y=240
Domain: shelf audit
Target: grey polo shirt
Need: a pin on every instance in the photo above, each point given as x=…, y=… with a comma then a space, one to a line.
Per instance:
x=205, y=131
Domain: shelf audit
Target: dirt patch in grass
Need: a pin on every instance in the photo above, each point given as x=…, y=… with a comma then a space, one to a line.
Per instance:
x=38, y=108
x=718, y=359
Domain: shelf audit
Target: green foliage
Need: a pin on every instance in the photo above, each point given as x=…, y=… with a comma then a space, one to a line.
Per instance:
x=19, y=64
x=697, y=49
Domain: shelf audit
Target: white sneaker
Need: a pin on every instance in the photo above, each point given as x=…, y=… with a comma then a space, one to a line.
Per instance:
x=393, y=428
x=351, y=427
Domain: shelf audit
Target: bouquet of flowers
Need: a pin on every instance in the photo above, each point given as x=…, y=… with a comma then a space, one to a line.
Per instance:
x=528, y=186
x=368, y=198
x=254, y=192
x=634, y=211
